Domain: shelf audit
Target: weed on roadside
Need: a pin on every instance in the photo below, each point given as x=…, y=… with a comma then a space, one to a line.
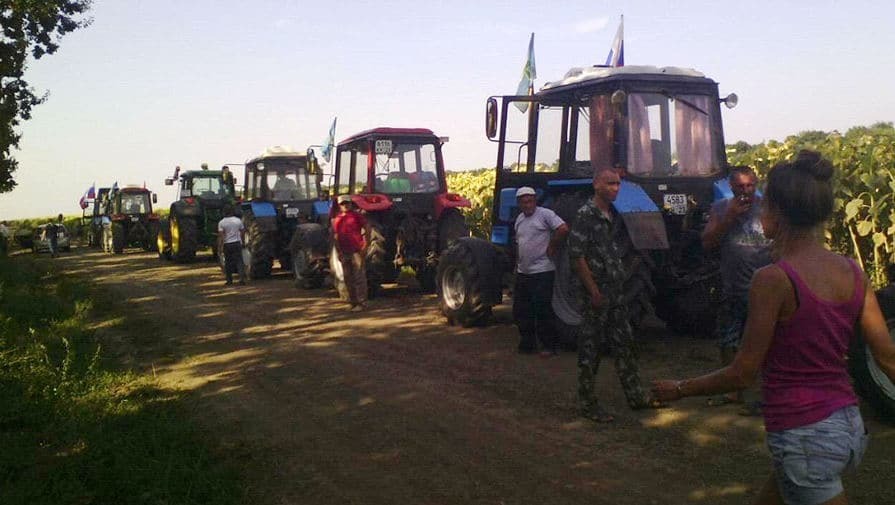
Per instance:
x=74, y=430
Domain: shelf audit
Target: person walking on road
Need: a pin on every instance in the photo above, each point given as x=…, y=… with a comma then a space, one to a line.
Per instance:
x=804, y=311
x=539, y=233
x=599, y=267
x=351, y=236
x=231, y=236
x=4, y=238
x=735, y=229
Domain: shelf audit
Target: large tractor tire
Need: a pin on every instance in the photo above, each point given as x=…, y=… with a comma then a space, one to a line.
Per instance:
x=451, y=227
x=869, y=380
x=567, y=302
x=184, y=238
x=691, y=309
x=380, y=266
x=163, y=240
x=118, y=238
x=468, y=282
x=259, y=248
x=151, y=242
x=308, y=242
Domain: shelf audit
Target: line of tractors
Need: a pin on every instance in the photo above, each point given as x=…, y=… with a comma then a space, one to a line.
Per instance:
x=660, y=127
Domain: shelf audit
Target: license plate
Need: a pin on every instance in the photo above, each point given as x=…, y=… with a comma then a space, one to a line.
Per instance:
x=135, y=219
x=676, y=204
x=291, y=212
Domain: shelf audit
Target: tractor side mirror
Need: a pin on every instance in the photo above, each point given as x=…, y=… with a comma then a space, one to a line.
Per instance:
x=154, y=198
x=491, y=116
x=313, y=165
x=169, y=181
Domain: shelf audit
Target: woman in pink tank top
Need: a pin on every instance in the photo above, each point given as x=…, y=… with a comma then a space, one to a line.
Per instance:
x=803, y=313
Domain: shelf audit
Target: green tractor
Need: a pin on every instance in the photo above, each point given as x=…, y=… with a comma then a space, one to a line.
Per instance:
x=192, y=222
x=131, y=221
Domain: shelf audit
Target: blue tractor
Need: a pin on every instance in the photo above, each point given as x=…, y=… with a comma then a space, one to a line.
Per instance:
x=282, y=193
x=660, y=128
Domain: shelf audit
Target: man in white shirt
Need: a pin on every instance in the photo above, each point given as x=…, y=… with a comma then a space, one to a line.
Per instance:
x=231, y=234
x=539, y=233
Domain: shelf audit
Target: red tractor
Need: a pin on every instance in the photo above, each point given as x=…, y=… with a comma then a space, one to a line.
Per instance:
x=396, y=177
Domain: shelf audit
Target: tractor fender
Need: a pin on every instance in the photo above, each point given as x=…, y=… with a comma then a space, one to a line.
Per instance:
x=321, y=208
x=449, y=201
x=372, y=202
x=643, y=219
x=182, y=208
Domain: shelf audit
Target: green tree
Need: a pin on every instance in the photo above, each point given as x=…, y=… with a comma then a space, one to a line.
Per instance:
x=29, y=27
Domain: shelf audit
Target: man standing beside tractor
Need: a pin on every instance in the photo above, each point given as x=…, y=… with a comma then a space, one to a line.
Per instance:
x=231, y=234
x=735, y=229
x=351, y=236
x=539, y=233
x=596, y=260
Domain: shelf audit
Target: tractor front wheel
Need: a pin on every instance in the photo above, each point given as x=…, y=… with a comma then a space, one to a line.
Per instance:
x=163, y=240
x=258, y=252
x=184, y=238
x=870, y=381
x=465, y=275
x=118, y=238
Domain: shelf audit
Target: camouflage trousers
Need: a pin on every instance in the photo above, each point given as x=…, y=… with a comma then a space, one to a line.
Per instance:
x=611, y=326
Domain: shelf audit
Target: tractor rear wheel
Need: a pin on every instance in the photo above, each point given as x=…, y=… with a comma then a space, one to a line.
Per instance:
x=380, y=265
x=305, y=271
x=118, y=238
x=465, y=274
x=184, y=238
x=451, y=226
x=151, y=242
x=870, y=381
x=259, y=248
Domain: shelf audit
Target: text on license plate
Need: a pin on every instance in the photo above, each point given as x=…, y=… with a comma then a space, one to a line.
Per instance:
x=676, y=204
x=291, y=212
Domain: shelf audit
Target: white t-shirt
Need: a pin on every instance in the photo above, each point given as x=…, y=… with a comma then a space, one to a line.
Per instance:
x=533, y=236
x=230, y=227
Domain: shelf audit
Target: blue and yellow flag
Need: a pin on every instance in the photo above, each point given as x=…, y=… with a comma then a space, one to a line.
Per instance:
x=529, y=74
x=327, y=149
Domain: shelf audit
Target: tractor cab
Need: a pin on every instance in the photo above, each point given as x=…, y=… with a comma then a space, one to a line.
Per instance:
x=288, y=180
x=396, y=176
x=397, y=169
x=660, y=128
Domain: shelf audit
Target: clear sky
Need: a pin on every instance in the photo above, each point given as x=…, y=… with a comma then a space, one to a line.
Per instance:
x=156, y=83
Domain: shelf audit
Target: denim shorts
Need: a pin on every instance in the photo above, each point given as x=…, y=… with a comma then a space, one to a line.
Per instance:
x=809, y=460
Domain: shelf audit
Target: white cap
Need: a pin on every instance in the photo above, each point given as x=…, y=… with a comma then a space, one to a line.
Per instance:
x=525, y=190
x=344, y=199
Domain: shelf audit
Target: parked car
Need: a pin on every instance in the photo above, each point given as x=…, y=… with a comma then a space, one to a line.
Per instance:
x=41, y=243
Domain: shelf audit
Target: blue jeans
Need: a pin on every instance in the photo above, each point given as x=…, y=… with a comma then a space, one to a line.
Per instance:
x=809, y=460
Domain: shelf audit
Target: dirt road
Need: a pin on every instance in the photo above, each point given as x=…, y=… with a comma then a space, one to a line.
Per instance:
x=318, y=405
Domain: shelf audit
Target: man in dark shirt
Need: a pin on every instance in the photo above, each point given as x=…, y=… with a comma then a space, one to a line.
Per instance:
x=735, y=228
x=601, y=272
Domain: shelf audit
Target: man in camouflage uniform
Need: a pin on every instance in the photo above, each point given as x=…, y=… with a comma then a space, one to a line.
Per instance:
x=601, y=272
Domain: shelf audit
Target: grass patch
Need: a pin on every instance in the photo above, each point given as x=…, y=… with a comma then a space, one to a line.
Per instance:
x=75, y=430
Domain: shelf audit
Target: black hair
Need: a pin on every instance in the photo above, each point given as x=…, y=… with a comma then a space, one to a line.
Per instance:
x=740, y=169
x=801, y=189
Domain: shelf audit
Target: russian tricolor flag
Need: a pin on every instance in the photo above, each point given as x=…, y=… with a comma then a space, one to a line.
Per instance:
x=616, y=56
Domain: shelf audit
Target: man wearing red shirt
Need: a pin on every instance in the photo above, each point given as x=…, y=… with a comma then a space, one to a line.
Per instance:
x=351, y=234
